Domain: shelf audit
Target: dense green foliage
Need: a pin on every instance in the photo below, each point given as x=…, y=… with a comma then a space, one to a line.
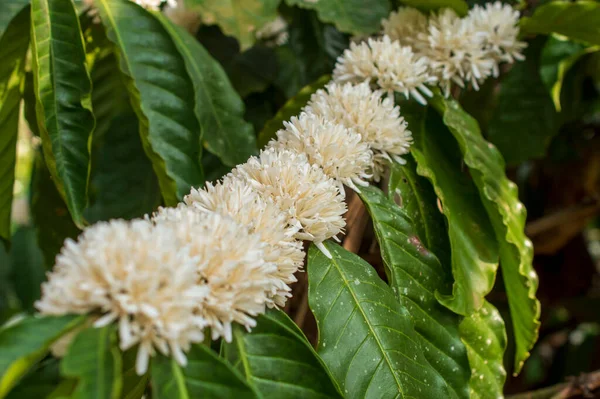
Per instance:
x=133, y=111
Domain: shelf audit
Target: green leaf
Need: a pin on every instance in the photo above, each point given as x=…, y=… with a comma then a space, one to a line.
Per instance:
x=292, y=107
x=40, y=382
x=134, y=385
x=484, y=336
x=524, y=113
x=117, y=147
x=508, y=215
x=27, y=267
x=8, y=11
x=206, y=376
x=63, y=91
x=578, y=20
x=23, y=344
x=50, y=214
x=14, y=41
x=366, y=337
x=474, y=248
x=219, y=108
x=359, y=17
x=278, y=361
x=415, y=195
x=415, y=275
x=161, y=93
x=240, y=19
x=95, y=360
x=558, y=56
x=460, y=6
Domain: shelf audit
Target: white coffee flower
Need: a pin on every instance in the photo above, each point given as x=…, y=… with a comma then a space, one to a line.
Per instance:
x=230, y=265
x=310, y=199
x=455, y=53
x=274, y=33
x=388, y=64
x=338, y=150
x=376, y=119
x=235, y=198
x=496, y=26
x=405, y=25
x=135, y=274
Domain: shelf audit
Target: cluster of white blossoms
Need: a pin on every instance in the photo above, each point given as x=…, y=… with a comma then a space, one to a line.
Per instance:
x=417, y=50
x=230, y=250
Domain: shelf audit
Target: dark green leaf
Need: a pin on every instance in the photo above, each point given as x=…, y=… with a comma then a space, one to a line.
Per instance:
x=416, y=196
x=23, y=344
x=508, y=215
x=359, y=17
x=50, y=214
x=240, y=19
x=40, y=382
x=557, y=57
x=206, y=376
x=14, y=41
x=219, y=108
x=8, y=11
x=291, y=107
x=524, y=113
x=415, y=275
x=95, y=360
x=366, y=337
x=161, y=93
x=27, y=267
x=484, y=336
x=579, y=20
x=63, y=91
x=134, y=385
x=460, y=6
x=474, y=249
x=278, y=361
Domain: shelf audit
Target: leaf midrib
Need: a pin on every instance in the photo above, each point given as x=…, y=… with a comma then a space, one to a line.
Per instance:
x=375, y=337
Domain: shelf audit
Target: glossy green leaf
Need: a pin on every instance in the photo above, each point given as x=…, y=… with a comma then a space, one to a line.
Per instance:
x=23, y=344
x=524, y=112
x=219, y=108
x=240, y=19
x=291, y=108
x=14, y=42
x=415, y=275
x=578, y=20
x=366, y=337
x=278, y=361
x=484, y=335
x=359, y=17
x=50, y=214
x=27, y=267
x=474, y=248
x=134, y=385
x=63, y=91
x=8, y=11
x=206, y=376
x=460, y=6
x=416, y=196
x=161, y=93
x=95, y=360
x=558, y=56
x=508, y=215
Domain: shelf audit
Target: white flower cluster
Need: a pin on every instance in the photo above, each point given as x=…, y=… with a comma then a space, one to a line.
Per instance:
x=417, y=50
x=230, y=250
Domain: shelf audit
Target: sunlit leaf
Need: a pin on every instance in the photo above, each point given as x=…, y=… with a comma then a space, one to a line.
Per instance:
x=508, y=215
x=65, y=120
